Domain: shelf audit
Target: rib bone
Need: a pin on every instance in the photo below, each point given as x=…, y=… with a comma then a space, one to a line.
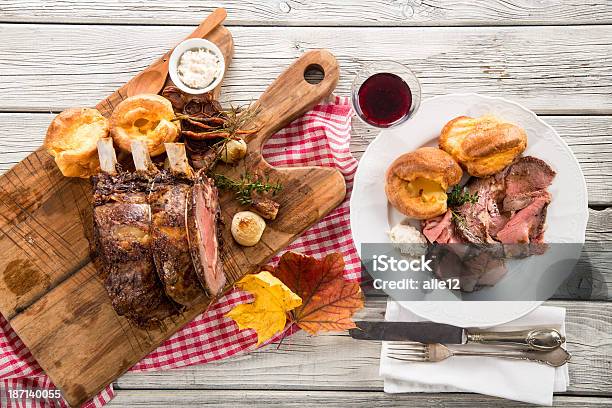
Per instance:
x=177, y=158
x=106, y=154
x=141, y=157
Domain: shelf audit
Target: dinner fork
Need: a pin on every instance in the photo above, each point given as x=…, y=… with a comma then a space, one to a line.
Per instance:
x=433, y=353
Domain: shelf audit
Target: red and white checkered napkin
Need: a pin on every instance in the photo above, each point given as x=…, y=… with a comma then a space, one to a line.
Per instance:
x=321, y=137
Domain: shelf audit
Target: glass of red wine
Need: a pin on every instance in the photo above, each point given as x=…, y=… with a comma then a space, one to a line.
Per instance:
x=385, y=94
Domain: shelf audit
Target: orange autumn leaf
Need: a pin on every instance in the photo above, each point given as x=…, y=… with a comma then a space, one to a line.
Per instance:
x=328, y=300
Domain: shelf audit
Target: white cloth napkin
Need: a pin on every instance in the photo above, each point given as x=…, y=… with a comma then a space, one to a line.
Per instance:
x=511, y=379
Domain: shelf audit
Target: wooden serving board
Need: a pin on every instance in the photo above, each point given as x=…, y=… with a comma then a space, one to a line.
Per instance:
x=49, y=290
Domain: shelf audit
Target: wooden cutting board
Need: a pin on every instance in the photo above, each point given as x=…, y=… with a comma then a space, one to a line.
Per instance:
x=49, y=290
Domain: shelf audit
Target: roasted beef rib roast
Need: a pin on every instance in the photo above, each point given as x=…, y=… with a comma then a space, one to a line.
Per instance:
x=150, y=267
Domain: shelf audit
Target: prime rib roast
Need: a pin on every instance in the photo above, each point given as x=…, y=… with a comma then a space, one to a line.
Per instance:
x=507, y=221
x=144, y=225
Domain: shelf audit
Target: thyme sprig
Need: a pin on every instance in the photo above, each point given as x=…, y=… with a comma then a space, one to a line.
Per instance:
x=246, y=185
x=459, y=196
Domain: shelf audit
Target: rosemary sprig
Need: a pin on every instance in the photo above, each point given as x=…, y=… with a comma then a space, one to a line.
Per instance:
x=459, y=196
x=227, y=125
x=235, y=120
x=239, y=117
x=246, y=185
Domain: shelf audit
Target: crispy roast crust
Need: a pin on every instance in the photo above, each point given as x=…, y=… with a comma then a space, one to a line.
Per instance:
x=122, y=241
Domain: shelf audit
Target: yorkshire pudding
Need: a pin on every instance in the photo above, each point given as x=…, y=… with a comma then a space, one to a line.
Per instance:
x=416, y=182
x=72, y=139
x=146, y=117
x=485, y=145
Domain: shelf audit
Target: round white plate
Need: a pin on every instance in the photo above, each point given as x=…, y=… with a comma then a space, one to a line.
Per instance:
x=372, y=216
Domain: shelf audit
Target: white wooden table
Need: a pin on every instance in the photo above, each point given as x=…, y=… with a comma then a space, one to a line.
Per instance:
x=554, y=56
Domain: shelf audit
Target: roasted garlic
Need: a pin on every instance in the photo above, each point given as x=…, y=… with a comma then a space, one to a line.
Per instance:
x=233, y=151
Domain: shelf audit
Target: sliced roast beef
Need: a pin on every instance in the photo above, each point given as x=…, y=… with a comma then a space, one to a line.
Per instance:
x=476, y=224
x=526, y=224
x=203, y=216
x=474, y=266
x=507, y=221
x=522, y=200
x=481, y=265
x=441, y=229
x=497, y=220
x=492, y=268
x=525, y=181
x=446, y=263
x=477, y=220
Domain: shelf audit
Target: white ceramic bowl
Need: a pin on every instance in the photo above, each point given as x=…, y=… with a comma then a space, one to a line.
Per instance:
x=189, y=45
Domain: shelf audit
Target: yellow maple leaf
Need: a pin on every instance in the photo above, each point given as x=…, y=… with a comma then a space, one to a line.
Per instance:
x=267, y=314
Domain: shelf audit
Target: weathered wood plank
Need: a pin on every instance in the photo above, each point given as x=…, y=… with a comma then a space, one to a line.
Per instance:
x=337, y=362
x=593, y=276
x=299, y=399
x=554, y=70
x=314, y=13
x=590, y=138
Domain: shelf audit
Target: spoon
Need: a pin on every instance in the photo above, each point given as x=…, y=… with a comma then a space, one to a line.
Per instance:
x=152, y=79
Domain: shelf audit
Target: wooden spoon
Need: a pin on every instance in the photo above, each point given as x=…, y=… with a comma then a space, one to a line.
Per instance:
x=153, y=78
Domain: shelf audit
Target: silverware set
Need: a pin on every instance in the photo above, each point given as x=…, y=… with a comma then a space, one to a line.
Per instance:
x=434, y=342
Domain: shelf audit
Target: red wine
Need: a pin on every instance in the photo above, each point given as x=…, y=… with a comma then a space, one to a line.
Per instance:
x=384, y=99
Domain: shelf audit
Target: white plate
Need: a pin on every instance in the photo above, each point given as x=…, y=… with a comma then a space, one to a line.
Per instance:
x=372, y=216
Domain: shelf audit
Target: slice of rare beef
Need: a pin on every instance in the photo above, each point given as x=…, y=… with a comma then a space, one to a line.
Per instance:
x=441, y=229
x=521, y=200
x=526, y=179
x=526, y=223
x=203, y=218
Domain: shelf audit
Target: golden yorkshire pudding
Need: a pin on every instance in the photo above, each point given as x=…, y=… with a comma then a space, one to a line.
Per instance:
x=485, y=145
x=416, y=182
x=146, y=117
x=72, y=139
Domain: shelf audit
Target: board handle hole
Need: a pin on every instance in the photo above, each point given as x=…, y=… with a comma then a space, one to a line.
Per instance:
x=314, y=74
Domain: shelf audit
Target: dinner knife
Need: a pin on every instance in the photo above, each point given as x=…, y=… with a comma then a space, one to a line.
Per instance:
x=543, y=339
